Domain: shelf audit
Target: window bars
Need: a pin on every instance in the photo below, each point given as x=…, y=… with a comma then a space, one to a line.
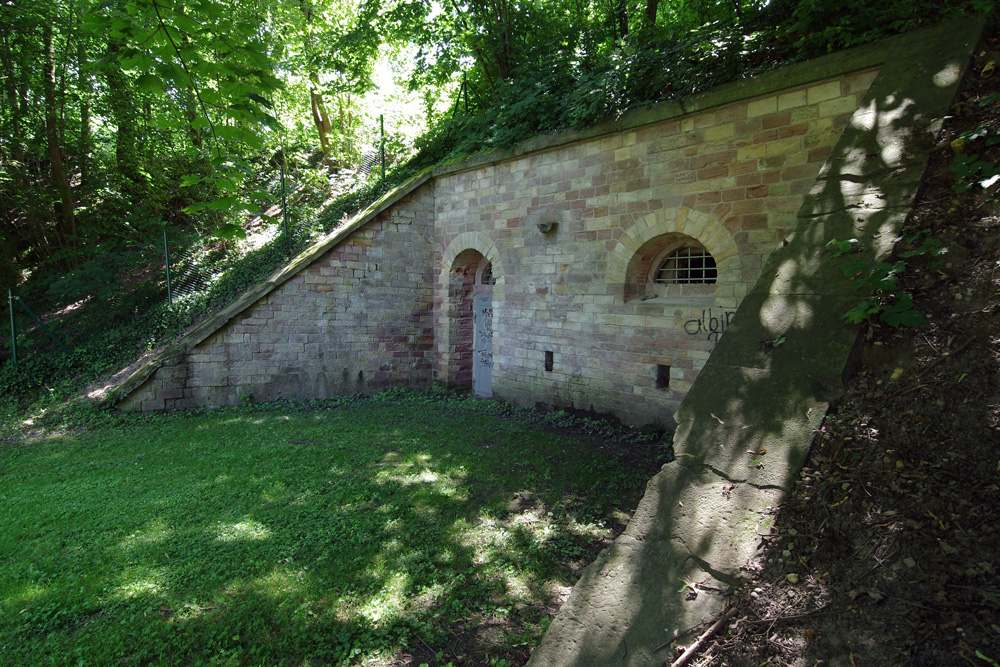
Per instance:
x=686, y=266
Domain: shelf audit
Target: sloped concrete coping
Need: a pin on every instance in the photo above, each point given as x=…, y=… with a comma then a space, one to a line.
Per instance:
x=770, y=82
x=745, y=428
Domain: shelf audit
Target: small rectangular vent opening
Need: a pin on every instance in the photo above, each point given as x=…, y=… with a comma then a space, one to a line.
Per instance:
x=662, y=376
x=548, y=360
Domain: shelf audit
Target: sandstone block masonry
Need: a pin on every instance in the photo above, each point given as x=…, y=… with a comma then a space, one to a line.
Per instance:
x=565, y=236
x=729, y=178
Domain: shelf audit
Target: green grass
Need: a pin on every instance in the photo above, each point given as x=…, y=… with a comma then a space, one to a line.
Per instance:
x=261, y=537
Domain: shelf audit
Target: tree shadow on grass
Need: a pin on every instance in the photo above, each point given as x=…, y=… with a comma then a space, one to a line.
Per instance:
x=253, y=540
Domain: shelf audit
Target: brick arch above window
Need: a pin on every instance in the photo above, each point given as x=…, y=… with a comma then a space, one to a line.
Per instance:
x=653, y=238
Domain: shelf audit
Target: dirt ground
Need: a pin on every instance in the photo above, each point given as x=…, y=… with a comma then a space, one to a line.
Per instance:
x=887, y=552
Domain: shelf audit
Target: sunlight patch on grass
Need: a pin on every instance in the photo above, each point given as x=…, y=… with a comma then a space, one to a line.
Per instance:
x=485, y=537
x=389, y=601
x=518, y=585
x=529, y=517
x=247, y=529
x=140, y=581
x=301, y=499
x=590, y=530
x=189, y=611
x=28, y=594
x=416, y=471
x=156, y=532
x=429, y=597
x=282, y=582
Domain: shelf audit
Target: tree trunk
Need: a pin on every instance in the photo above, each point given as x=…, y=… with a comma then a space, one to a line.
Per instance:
x=320, y=118
x=621, y=17
x=502, y=37
x=321, y=121
x=651, y=7
x=316, y=107
x=191, y=114
x=84, y=158
x=64, y=195
x=16, y=146
x=481, y=58
x=123, y=111
x=22, y=113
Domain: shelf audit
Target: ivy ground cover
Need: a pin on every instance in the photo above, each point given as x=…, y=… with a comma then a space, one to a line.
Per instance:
x=363, y=534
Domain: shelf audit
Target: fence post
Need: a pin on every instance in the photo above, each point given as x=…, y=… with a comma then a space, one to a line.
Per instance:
x=39, y=322
x=13, y=328
x=381, y=128
x=166, y=260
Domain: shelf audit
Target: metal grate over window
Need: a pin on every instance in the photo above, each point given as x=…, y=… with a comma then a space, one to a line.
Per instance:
x=686, y=266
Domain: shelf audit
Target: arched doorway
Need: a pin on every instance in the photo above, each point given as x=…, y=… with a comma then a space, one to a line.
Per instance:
x=482, y=330
x=470, y=330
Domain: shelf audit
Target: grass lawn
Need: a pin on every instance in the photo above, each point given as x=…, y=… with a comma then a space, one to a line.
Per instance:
x=364, y=534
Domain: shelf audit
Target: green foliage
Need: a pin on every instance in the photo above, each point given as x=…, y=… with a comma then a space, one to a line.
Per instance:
x=549, y=67
x=819, y=26
x=299, y=535
x=583, y=82
x=989, y=661
x=976, y=168
x=925, y=246
x=887, y=302
x=841, y=248
x=970, y=170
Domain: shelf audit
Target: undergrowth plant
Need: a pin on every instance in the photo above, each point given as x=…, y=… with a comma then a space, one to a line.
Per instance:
x=880, y=280
x=976, y=168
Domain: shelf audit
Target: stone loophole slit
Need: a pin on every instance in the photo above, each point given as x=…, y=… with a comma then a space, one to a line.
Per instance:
x=662, y=376
x=548, y=360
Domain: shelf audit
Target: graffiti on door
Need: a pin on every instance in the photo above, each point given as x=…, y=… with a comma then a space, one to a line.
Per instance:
x=482, y=366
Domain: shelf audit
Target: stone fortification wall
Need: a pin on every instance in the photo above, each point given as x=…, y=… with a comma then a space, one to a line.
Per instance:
x=356, y=319
x=729, y=178
x=570, y=232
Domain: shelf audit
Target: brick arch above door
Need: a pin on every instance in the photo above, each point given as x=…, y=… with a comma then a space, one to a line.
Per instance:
x=479, y=241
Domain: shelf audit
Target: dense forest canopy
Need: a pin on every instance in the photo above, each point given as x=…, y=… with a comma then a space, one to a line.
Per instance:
x=119, y=117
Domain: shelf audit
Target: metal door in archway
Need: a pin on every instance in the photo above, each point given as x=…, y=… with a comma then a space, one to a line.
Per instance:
x=482, y=355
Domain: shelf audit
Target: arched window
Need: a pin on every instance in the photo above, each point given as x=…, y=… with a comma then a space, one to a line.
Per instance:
x=685, y=266
x=672, y=267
